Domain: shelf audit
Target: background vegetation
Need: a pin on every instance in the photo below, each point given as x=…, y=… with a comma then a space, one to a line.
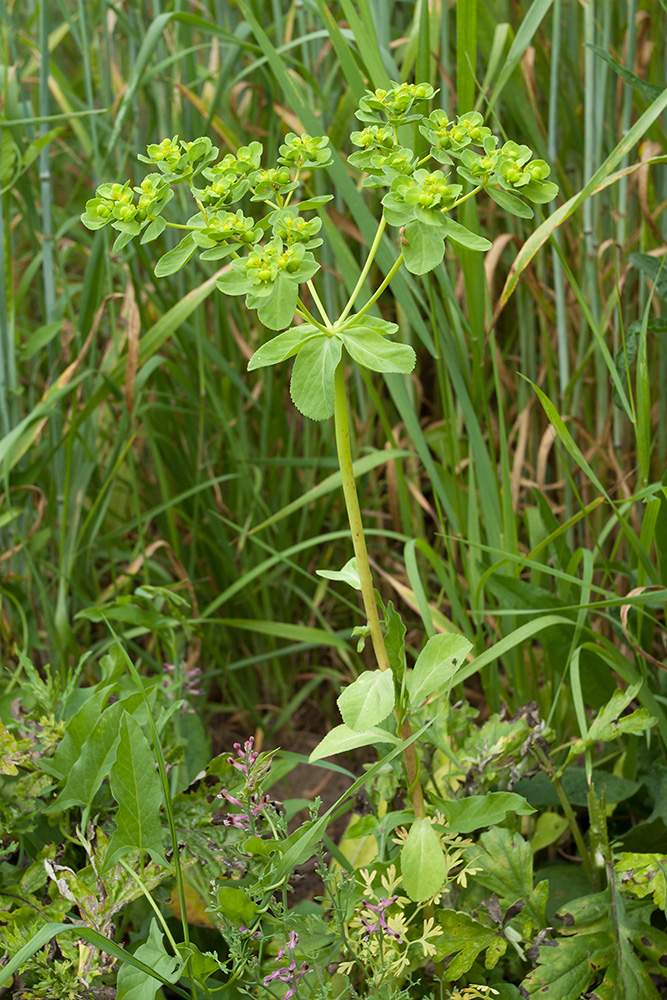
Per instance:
x=136, y=450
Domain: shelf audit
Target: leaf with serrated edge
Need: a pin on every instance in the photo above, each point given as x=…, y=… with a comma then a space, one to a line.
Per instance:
x=282, y=347
x=342, y=738
x=368, y=700
x=312, y=386
x=423, y=865
x=436, y=665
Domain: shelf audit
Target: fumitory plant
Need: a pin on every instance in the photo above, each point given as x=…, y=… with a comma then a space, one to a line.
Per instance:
x=425, y=166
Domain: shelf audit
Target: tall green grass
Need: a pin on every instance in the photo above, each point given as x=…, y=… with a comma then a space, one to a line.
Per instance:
x=526, y=496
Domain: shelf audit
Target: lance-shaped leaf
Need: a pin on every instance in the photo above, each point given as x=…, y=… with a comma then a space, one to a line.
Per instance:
x=136, y=787
x=284, y=346
x=368, y=700
x=348, y=574
x=370, y=349
x=342, y=738
x=312, y=386
x=423, y=865
x=436, y=666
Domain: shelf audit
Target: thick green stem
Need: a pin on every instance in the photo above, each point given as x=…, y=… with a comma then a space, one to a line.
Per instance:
x=342, y=427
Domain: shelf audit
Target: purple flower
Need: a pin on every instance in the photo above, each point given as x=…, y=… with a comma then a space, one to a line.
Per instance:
x=288, y=974
x=379, y=925
x=247, y=756
x=242, y=820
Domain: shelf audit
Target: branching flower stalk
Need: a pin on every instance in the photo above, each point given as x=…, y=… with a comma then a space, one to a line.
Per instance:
x=269, y=260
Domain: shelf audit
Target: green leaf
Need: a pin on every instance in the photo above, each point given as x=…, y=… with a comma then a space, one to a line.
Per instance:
x=376, y=323
x=284, y=346
x=476, y=811
x=539, y=790
x=436, y=666
x=423, y=865
x=654, y=269
x=312, y=386
x=422, y=251
x=96, y=758
x=277, y=311
x=643, y=875
x=134, y=984
x=463, y=939
x=174, y=259
x=135, y=785
x=566, y=968
x=233, y=282
x=235, y=905
x=342, y=738
x=464, y=237
x=646, y=89
x=348, y=574
x=509, y=202
x=368, y=700
x=77, y=732
x=371, y=350
x=154, y=229
x=395, y=641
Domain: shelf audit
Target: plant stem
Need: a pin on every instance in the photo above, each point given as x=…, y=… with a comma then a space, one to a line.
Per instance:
x=318, y=303
x=367, y=266
x=342, y=428
x=569, y=813
x=376, y=295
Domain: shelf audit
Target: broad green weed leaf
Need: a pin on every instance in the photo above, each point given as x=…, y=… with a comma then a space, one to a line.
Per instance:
x=342, y=738
x=464, y=237
x=643, y=875
x=312, y=386
x=464, y=937
x=422, y=251
x=78, y=730
x=236, y=905
x=96, y=759
x=436, y=666
x=475, y=811
x=567, y=967
x=368, y=700
x=284, y=346
x=423, y=865
x=174, y=259
x=506, y=862
x=133, y=984
x=135, y=785
x=348, y=574
x=277, y=311
x=233, y=282
x=372, y=350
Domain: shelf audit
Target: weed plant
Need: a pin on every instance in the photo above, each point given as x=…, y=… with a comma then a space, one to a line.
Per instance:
x=528, y=518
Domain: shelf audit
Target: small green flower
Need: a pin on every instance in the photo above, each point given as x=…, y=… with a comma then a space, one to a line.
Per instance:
x=305, y=151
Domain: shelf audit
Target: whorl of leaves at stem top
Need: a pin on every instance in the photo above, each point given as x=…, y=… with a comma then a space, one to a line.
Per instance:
x=271, y=256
